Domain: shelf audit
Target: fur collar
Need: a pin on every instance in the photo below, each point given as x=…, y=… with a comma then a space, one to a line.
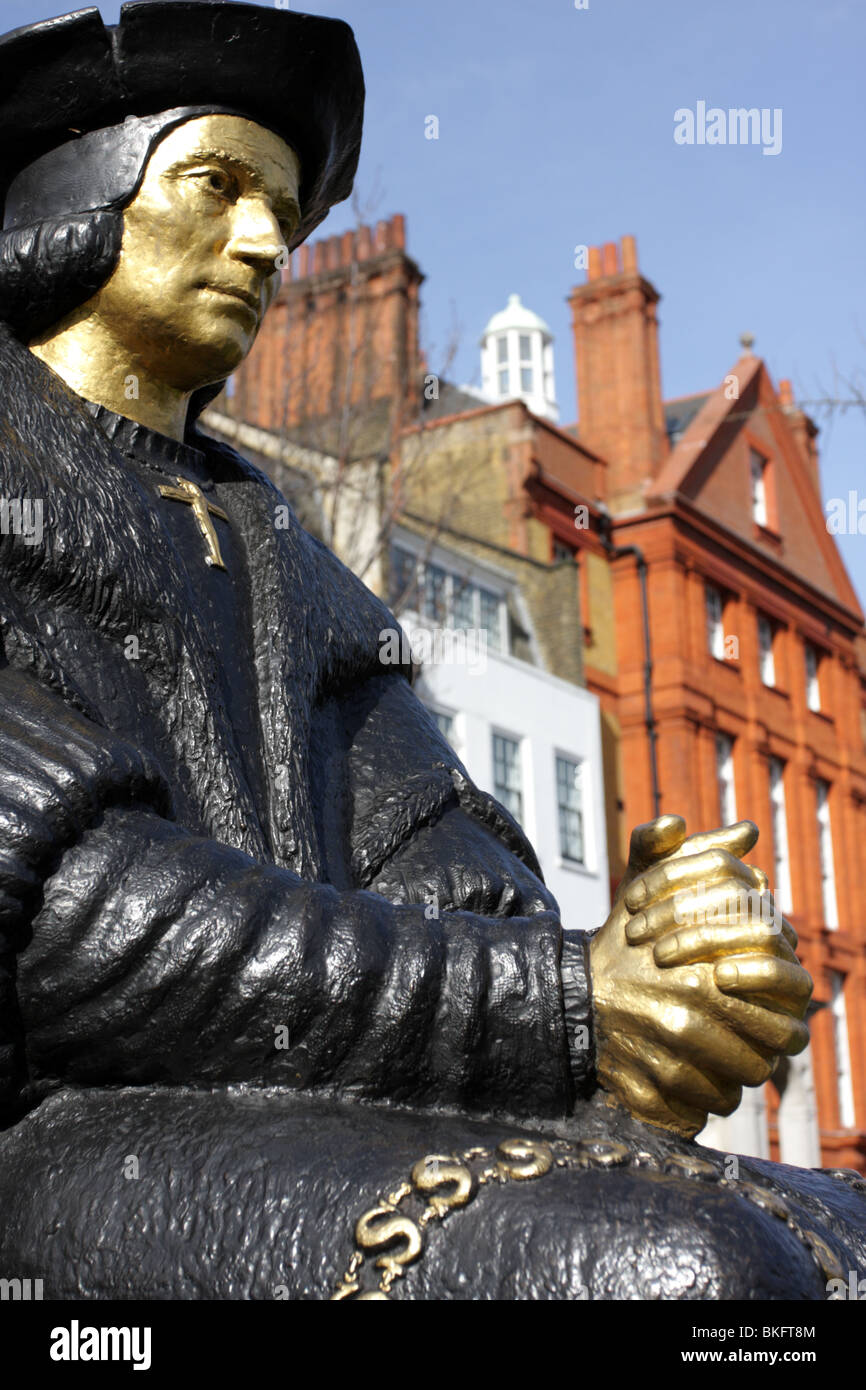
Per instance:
x=108, y=559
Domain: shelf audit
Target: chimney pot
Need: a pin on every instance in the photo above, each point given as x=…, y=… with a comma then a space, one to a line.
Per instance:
x=303, y=255
x=381, y=238
x=629, y=254
x=593, y=269
x=347, y=247
x=365, y=243
x=609, y=258
x=398, y=231
x=786, y=395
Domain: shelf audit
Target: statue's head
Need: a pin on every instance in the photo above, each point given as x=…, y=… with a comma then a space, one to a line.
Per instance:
x=155, y=174
x=202, y=244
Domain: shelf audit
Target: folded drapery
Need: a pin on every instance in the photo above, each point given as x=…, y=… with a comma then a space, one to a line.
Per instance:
x=234, y=1193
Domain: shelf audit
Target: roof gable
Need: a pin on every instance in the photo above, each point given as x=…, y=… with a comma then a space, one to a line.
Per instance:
x=710, y=466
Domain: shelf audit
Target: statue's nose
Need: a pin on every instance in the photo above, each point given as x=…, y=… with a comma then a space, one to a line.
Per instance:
x=256, y=236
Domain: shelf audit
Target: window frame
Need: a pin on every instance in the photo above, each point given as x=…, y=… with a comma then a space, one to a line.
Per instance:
x=715, y=624
x=768, y=653
x=501, y=790
x=813, y=677
x=779, y=822
x=498, y=637
x=759, y=487
x=580, y=785
x=729, y=785
x=845, y=1099
x=826, y=857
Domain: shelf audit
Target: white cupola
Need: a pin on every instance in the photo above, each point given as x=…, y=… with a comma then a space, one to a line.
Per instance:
x=517, y=359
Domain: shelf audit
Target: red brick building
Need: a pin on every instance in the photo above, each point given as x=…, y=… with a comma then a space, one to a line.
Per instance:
x=755, y=632
x=719, y=627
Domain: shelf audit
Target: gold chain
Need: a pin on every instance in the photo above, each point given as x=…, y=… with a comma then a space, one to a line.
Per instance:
x=393, y=1239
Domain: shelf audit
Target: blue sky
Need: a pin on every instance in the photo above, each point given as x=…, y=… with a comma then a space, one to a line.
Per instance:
x=556, y=129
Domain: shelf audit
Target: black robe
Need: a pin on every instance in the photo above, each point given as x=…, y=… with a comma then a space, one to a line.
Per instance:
x=166, y=920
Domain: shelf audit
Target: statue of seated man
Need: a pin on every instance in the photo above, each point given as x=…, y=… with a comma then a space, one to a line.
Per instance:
x=221, y=817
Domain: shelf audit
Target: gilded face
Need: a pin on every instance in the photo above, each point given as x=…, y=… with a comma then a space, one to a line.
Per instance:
x=202, y=239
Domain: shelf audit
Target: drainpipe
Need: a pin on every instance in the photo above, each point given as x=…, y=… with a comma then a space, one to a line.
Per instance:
x=615, y=551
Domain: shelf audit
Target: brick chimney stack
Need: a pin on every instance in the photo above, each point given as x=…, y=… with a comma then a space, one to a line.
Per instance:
x=341, y=335
x=804, y=430
x=618, y=379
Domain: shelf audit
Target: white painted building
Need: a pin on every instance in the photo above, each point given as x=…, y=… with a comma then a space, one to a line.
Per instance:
x=530, y=738
x=517, y=359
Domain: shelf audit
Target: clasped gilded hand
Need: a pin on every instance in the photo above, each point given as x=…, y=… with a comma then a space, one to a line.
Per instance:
x=697, y=990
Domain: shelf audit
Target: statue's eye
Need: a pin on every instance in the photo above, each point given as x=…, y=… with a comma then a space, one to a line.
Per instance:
x=218, y=182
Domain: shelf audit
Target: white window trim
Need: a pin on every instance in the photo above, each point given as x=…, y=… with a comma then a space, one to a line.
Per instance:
x=758, y=478
x=765, y=648
x=781, y=857
x=450, y=563
x=812, y=659
x=525, y=772
x=825, y=854
x=715, y=620
x=726, y=778
x=842, y=1048
x=589, y=865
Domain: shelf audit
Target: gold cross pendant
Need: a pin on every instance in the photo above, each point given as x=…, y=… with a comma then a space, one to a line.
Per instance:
x=203, y=510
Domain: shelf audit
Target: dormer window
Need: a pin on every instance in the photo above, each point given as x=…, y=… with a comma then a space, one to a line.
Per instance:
x=758, y=466
x=442, y=598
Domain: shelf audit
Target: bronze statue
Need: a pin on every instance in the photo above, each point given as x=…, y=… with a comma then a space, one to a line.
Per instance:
x=221, y=817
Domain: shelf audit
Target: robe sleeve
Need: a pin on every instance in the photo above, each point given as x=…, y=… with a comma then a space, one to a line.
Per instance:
x=423, y=832
x=146, y=953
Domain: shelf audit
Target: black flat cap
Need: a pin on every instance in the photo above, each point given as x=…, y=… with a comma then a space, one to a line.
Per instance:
x=299, y=75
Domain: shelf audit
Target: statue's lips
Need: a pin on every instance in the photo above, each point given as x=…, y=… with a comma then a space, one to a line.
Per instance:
x=252, y=301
